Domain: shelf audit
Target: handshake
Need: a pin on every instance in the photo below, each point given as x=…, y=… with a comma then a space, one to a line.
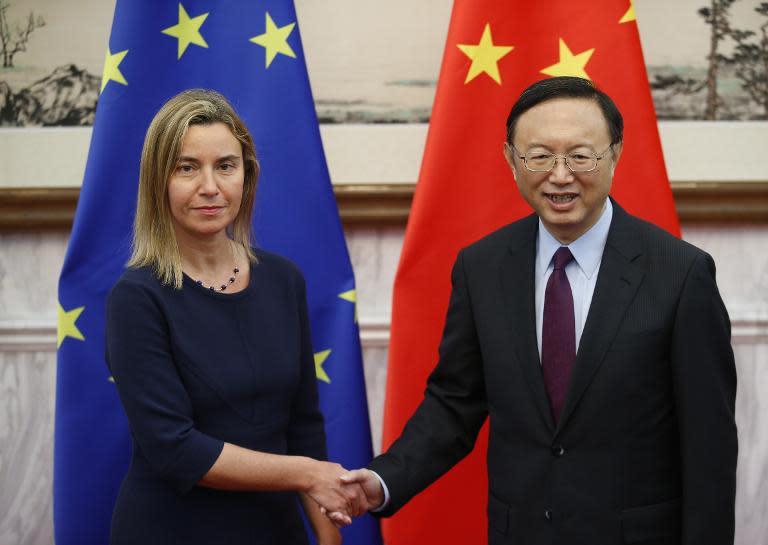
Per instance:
x=343, y=494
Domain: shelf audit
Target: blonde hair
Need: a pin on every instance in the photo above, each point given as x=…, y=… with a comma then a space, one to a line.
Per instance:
x=154, y=240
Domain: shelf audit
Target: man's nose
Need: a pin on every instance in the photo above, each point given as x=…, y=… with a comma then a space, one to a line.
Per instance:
x=560, y=172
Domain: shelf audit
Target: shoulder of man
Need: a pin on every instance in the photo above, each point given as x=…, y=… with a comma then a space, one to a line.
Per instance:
x=512, y=235
x=653, y=240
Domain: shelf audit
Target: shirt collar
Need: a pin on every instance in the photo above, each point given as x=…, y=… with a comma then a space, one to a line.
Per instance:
x=587, y=250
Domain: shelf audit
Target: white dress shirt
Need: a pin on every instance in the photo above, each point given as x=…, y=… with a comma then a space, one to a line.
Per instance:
x=582, y=272
x=587, y=251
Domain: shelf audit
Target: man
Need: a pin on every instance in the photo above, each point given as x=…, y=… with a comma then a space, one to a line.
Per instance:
x=597, y=344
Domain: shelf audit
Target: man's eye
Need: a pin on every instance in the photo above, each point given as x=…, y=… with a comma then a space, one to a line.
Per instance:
x=580, y=157
x=539, y=157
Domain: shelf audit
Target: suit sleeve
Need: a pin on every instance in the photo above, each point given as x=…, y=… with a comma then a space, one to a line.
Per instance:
x=306, y=434
x=156, y=403
x=705, y=390
x=444, y=427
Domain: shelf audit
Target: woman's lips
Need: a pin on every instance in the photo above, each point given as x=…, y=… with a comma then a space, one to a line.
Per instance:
x=209, y=210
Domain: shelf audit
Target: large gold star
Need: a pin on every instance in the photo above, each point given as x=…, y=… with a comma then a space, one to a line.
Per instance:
x=111, y=70
x=187, y=31
x=485, y=56
x=350, y=296
x=67, y=326
x=275, y=40
x=630, y=15
x=570, y=64
x=320, y=358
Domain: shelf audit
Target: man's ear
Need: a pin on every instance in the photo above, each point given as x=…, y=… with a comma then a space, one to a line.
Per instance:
x=509, y=155
x=617, y=149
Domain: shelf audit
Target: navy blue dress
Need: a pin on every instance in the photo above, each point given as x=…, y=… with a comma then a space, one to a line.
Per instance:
x=194, y=369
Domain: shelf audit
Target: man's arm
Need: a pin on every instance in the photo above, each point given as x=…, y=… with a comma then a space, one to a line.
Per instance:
x=705, y=391
x=444, y=427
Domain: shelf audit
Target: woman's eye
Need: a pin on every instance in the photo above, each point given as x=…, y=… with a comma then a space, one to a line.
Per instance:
x=185, y=169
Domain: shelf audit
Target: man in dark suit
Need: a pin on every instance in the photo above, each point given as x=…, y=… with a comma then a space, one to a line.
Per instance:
x=597, y=344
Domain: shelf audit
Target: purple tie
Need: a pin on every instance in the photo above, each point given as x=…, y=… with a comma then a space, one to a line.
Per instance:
x=558, y=335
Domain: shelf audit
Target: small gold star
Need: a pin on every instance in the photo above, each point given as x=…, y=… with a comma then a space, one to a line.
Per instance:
x=350, y=296
x=320, y=358
x=67, y=326
x=630, y=15
x=275, y=40
x=485, y=56
x=187, y=30
x=570, y=64
x=111, y=70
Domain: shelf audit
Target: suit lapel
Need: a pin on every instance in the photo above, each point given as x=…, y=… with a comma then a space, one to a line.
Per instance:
x=517, y=271
x=617, y=282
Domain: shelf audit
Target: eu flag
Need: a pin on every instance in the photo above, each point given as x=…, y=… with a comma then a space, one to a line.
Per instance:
x=251, y=52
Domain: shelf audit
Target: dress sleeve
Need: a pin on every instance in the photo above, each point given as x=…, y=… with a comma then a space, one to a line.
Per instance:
x=158, y=407
x=306, y=432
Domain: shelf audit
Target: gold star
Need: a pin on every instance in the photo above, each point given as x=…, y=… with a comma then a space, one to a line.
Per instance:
x=630, y=15
x=350, y=296
x=67, y=327
x=570, y=64
x=485, y=56
x=275, y=40
x=111, y=70
x=187, y=30
x=320, y=358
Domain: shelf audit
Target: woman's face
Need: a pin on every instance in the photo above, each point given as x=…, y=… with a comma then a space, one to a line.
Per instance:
x=206, y=186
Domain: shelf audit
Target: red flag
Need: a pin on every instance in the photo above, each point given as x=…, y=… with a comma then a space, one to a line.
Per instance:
x=494, y=50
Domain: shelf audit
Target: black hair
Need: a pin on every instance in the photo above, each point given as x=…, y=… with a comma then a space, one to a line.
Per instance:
x=567, y=87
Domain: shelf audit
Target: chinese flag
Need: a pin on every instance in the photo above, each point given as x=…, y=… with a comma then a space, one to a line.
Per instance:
x=495, y=50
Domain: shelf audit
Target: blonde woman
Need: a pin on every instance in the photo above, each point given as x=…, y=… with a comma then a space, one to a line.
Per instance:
x=208, y=341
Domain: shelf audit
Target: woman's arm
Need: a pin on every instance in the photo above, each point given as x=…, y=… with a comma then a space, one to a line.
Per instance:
x=326, y=532
x=238, y=468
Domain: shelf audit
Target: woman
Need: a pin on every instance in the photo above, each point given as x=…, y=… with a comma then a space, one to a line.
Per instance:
x=209, y=345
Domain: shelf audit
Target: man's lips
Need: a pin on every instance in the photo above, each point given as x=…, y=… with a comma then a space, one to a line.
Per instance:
x=561, y=198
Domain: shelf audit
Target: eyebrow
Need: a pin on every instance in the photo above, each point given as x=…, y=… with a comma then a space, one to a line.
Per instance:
x=231, y=157
x=570, y=149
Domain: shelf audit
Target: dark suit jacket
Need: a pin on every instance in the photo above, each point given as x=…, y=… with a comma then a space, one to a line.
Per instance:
x=645, y=449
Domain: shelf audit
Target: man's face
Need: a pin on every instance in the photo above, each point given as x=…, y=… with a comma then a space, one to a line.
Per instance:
x=568, y=203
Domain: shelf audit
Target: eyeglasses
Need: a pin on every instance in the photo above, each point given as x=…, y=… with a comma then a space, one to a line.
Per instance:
x=542, y=161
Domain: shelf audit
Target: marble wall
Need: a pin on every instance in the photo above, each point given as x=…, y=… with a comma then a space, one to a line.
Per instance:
x=29, y=267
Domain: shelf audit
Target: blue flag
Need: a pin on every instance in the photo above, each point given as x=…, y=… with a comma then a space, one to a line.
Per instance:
x=251, y=52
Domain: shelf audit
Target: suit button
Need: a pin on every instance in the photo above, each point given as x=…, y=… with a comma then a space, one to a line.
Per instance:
x=548, y=514
x=558, y=450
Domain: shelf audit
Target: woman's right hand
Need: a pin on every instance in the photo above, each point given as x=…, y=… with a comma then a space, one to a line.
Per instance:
x=326, y=488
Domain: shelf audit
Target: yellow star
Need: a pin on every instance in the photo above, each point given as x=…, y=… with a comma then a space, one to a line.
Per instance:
x=111, y=69
x=350, y=296
x=485, y=56
x=570, y=64
x=275, y=40
x=320, y=358
x=67, y=327
x=187, y=30
x=630, y=15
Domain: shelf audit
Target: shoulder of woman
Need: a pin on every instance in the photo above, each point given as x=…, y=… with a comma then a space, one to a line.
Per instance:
x=135, y=281
x=276, y=263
